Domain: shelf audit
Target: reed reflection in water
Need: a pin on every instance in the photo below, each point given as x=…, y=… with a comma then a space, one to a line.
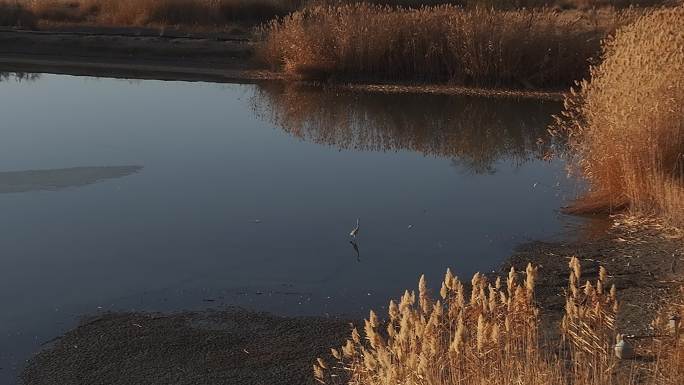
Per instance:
x=19, y=76
x=475, y=132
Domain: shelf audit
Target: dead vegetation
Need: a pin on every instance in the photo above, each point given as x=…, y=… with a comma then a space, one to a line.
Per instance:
x=526, y=48
x=625, y=125
x=492, y=335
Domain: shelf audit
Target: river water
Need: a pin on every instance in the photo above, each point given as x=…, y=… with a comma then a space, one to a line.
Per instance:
x=164, y=196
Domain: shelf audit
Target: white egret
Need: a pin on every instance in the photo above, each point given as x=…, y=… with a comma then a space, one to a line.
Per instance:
x=355, y=231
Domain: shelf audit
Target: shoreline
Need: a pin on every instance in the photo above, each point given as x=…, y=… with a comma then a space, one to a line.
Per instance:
x=644, y=259
x=139, y=53
x=122, y=346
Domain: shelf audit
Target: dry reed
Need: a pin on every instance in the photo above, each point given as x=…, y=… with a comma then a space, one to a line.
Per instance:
x=534, y=48
x=506, y=4
x=492, y=336
x=626, y=125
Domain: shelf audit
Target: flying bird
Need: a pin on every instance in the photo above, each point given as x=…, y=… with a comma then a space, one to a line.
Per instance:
x=355, y=231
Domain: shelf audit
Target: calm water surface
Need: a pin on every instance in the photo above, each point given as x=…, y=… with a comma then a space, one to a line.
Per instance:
x=149, y=195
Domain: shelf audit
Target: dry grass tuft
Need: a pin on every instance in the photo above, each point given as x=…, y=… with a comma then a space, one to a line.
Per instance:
x=487, y=336
x=533, y=48
x=588, y=326
x=626, y=125
x=491, y=336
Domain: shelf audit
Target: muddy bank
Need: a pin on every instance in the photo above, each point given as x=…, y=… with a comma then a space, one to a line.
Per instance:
x=216, y=347
x=130, y=53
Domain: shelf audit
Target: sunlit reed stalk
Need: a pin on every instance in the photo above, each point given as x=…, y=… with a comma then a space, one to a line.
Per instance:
x=493, y=337
x=524, y=48
x=625, y=125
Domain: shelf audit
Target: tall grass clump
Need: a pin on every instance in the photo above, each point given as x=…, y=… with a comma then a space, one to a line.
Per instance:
x=487, y=336
x=533, y=48
x=507, y=4
x=490, y=333
x=626, y=124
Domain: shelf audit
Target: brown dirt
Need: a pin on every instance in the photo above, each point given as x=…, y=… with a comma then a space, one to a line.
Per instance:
x=644, y=259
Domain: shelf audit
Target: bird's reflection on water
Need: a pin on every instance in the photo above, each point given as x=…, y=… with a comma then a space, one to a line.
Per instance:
x=356, y=250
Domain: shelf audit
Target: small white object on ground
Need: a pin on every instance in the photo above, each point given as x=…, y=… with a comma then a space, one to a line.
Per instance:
x=623, y=349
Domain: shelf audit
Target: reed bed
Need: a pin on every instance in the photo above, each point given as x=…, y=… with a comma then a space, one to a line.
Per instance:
x=490, y=333
x=526, y=48
x=506, y=4
x=626, y=125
